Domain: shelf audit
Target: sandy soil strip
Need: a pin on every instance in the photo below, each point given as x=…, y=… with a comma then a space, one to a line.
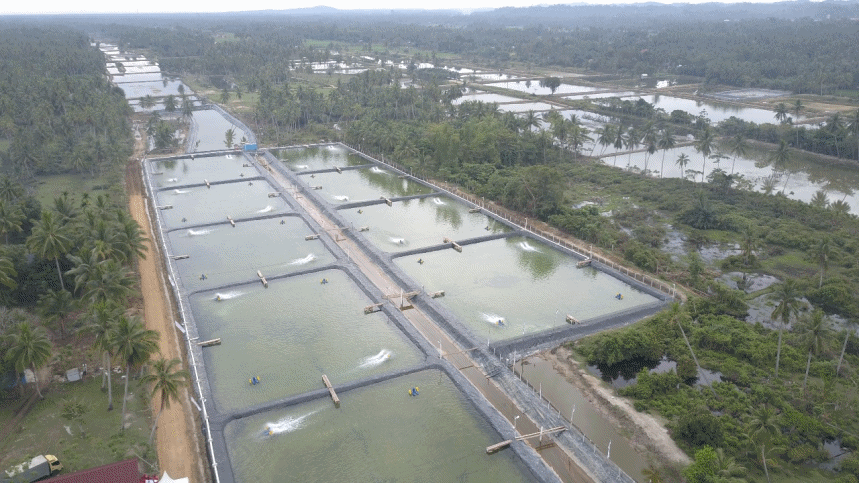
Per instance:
x=177, y=444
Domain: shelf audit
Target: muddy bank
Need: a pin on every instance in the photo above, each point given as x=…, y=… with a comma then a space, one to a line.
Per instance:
x=647, y=433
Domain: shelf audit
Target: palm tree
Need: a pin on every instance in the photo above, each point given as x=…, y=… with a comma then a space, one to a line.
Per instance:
x=10, y=190
x=676, y=316
x=815, y=337
x=531, y=121
x=779, y=158
x=48, y=239
x=819, y=199
x=229, y=137
x=704, y=142
x=850, y=328
x=750, y=242
x=737, y=148
x=840, y=206
x=166, y=379
x=618, y=139
x=728, y=467
x=135, y=345
x=28, y=347
x=631, y=142
x=56, y=306
x=853, y=125
x=797, y=108
x=129, y=239
x=821, y=253
x=834, y=125
x=7, y=273
x=781, y=111
x=666, y=142
x=786, y=296
x=10, y=219
x=101, y=319
x=763, y=427
x=682, y=161
x=652, y=474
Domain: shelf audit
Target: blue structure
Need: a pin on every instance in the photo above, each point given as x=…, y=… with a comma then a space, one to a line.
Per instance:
x=250, y=147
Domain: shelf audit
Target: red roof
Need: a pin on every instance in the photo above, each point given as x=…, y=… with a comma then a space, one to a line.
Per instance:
x=119, y=472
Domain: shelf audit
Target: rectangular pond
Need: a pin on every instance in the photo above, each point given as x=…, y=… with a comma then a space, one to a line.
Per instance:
x=420, y=223
x=178, y=172
x=314, y=158
x=201, y=205
x=121, y=79
x=211, y=128
x=292, y=333
x=136, y=90
x=379, y=433
x=485, y=97
x=275, y=246
x=363, y=184
x=527, y=286
x=715, y=110
x=533, y=87
x=526, y=106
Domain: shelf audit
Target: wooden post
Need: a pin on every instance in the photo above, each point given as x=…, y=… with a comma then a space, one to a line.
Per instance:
x=331, y=391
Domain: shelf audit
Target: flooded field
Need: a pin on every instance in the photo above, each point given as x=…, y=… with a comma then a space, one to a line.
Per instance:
x=533, y=87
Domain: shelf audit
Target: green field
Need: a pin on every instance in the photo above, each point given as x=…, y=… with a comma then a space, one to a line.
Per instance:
x=52, y=186
x=45, y=431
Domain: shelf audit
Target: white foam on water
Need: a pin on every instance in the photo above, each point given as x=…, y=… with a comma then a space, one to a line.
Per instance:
x=438, y=201
x=341, y=198
x=397, y=241
x=383, y=356
x=527, y=247
x=301, y=166
x=379, y=170
x=494, y=319
x=192, y=232
x=229, y=156
x=266, y=209
x=173, y=180
x=229, y=295
x=303, y=261
x=286, y=424
x=180, y=192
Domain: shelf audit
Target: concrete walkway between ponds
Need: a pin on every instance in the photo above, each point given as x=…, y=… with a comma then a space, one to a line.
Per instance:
x=566, y=466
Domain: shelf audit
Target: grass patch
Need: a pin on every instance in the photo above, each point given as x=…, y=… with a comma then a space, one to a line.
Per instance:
x=50, y=186
x=44, y=431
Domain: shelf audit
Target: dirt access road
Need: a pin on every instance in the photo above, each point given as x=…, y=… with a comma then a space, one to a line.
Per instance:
x=180, y=450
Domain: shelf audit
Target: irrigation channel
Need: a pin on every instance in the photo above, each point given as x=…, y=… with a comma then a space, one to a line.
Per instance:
x=297, y=265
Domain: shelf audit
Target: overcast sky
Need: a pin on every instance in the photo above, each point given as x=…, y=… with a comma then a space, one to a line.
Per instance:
x=148, y=6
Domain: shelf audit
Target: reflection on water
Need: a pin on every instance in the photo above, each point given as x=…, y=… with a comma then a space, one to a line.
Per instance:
x=534, y=290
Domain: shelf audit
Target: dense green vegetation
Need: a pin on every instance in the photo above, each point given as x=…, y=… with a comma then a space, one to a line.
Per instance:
x=70, y=258
x=58, y=112
x=67, y=262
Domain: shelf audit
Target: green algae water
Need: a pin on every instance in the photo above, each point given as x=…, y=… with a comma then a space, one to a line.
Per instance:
x=199, y=205
x=292, y=333
x=363, y=185
x=178, y=172
x=224, y=254
x=501, y=289
x=379, y=433
x=420, y=223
